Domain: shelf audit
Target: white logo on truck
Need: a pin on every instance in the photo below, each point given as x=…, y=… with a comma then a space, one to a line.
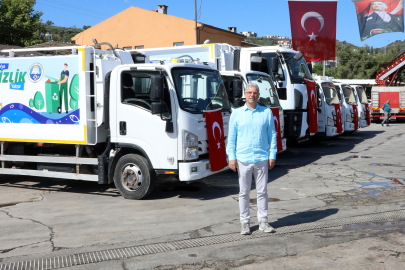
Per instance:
x=35, y=72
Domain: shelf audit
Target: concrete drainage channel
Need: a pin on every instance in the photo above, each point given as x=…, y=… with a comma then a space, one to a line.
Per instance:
x=134, y=251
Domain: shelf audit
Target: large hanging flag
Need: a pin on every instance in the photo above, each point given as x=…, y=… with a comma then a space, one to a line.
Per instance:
x=313, y=28
x=377, y=17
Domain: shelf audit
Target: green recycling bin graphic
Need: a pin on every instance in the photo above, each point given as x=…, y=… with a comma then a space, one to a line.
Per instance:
x=52, y=96
x=74, y=92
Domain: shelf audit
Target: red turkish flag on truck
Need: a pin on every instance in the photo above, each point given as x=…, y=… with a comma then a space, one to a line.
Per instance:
x=276, y=117
x=216, y=139
x=313, y=28
x=338, y=118
x=312, y=107
x=355, y=117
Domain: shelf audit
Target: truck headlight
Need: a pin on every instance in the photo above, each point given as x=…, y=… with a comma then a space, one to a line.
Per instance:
x=331, y=122
x=190, y=145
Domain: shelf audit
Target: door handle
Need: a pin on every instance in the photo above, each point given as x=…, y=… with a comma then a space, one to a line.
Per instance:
x=123, y=128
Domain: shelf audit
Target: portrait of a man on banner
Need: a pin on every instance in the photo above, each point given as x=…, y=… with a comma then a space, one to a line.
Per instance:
x=377, y=17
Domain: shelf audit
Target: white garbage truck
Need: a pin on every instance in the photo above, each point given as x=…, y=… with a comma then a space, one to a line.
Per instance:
x=221, y=57
x=329, y=110
x=291, y=74
x=363, y=108
x=349, y=107
x=89, y=114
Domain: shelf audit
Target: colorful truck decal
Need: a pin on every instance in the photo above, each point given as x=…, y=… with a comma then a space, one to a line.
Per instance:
x=32, y=91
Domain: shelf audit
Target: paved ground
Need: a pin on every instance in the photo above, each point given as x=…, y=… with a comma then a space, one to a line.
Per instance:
x=353, y=175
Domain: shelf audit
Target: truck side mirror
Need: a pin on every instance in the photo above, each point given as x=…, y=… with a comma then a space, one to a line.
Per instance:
x=310, y=67
x=157, y=108
x=156, y=88
x=237, y=88
x=274, y=65
x=298, y=56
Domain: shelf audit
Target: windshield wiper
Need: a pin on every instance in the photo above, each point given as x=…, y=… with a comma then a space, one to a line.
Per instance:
x=216, y=95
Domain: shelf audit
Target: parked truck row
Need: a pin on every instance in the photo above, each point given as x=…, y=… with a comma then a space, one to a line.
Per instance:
x=129, y=116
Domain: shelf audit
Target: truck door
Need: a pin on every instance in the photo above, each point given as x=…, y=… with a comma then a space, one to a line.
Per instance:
x=137, y=127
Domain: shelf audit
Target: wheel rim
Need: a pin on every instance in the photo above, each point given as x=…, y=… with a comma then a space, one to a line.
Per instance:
x=131, y=177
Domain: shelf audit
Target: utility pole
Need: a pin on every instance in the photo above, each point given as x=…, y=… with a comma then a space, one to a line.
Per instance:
x=324, y=66
x=196, y=30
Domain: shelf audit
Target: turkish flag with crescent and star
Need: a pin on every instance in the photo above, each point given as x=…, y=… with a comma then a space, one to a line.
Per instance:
x=216, y=140
x=312, y=107
x=368, y=114
x=313, y=28
x=355, y=117
x=338, y=118
x=276, y=117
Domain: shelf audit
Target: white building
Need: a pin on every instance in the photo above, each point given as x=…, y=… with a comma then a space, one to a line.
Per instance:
x=249, y=33
x=270, y=36
x=285, y=43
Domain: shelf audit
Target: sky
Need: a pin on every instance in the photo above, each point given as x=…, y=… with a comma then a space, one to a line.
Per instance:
x=265, y=17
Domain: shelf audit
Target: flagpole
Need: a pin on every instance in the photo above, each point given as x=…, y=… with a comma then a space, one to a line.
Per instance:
x=324, y=64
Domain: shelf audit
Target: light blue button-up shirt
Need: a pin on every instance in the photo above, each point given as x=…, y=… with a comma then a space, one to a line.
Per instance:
x=252, y=136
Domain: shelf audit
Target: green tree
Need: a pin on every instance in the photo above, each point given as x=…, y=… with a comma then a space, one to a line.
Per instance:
x=318, y=69
x=20, y=23
x=48, y=22
x=85, y=27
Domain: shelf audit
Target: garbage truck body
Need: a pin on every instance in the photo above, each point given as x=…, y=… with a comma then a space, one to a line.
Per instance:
x=125, y=123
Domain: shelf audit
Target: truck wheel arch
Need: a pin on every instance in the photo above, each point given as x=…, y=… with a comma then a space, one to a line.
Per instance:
x=122, y=151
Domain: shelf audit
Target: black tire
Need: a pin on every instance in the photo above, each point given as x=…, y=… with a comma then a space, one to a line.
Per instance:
x=134, y=188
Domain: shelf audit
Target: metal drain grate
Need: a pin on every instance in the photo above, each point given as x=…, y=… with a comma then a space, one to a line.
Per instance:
x=122, y=253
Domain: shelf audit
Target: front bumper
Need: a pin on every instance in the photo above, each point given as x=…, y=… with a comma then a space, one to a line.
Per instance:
x=349, y=126
x=363, y=123
x=203, y=170
x=331, y=131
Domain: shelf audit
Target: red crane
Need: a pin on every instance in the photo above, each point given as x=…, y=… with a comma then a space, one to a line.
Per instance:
x=388, y=75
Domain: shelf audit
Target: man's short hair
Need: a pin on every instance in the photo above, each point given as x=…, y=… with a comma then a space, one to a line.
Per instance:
x=65, y=64
x=253, y=85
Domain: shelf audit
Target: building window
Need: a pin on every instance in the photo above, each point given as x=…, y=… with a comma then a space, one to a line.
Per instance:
x=139, y=47
x=127, y=48
x=177, y=44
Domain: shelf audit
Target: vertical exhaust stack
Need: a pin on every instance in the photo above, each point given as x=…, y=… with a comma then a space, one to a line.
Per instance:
x=162, y=9
x=232, y=29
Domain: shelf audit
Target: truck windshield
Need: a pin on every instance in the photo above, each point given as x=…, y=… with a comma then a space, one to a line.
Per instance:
x=268, y=96
x=199, y=90
x=298, y=69
x=338, y=90
x=331, y=95
x=361, y=94
x=349, y=95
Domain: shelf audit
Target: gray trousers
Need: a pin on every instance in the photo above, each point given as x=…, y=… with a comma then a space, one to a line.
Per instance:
x=386, y=118
x=260, y=170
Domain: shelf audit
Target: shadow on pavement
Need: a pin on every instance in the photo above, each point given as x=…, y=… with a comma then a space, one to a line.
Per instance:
x=304, y=217
x=213, y=187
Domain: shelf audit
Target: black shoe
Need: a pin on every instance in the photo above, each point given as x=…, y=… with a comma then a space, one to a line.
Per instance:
x=67, y=112
x=382, y=124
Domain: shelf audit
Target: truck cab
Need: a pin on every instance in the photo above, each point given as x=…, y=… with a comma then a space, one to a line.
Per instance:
x=289, y=70
x=328, y=104
x=347, y=100
x=361, y=99
x=268, y=93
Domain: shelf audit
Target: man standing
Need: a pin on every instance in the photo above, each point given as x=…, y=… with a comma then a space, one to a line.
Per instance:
x=251, y=149
x=386, y=108
x=63, y=90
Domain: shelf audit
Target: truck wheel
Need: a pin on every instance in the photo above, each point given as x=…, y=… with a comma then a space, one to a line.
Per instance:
x=134, y=177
